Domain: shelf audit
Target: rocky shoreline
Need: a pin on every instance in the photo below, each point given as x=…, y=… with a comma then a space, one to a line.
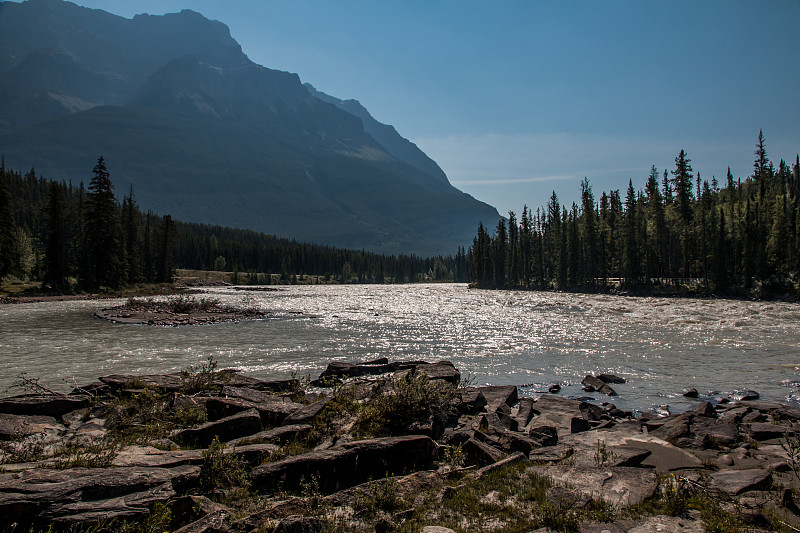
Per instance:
x=384, y=446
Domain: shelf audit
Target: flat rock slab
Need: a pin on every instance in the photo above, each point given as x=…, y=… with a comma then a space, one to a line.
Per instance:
x=348, y=464
x=735, y=482
x=239, y=425
x=77, y=495
x=618, y=486
x=443, y=370
x=651, y=524
x=18, y=426
x=43, y=404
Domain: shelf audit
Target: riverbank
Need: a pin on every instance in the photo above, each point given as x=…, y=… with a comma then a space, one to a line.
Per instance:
x=384, y=446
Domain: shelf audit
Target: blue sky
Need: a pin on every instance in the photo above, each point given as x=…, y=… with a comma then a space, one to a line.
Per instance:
x=515, y=99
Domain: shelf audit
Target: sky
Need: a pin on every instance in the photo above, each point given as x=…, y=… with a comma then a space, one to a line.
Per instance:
x=516, y=99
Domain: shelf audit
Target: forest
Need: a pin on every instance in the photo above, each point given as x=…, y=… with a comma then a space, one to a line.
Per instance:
x=76, y=238
x=681, y=234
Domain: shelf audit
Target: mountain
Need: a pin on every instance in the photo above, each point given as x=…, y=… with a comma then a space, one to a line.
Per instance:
x=203, y=133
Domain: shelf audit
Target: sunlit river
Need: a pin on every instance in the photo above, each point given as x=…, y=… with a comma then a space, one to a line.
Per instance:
x=530, y=339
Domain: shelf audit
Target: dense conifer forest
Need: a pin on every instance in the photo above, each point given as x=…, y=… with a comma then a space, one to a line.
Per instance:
x=72, y=237
x=680, y=234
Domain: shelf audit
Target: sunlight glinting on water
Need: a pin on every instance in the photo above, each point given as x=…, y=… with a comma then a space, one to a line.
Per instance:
x=661, y=346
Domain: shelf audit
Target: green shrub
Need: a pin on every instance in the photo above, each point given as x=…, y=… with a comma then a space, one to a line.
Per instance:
x=402, y=402
x=224, y=471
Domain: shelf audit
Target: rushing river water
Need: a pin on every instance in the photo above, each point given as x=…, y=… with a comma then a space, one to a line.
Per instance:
x=529, y=339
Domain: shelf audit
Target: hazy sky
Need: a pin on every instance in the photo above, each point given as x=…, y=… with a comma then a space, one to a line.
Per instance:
x=515, y=99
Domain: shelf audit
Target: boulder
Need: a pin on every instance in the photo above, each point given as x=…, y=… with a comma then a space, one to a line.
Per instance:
x=735, y=482
x=746, y=396
x=165, y=382
x=618, y=486
x=593, y=384
x=306, y=413
x=611, y=378
x=239, y=425
x=343, y=370
x=691, y=393
x=348, y=464
x=188, y=509
x=499, y=394
x=54, y=405
x=480, y=453
x=218, y=407
x=469, y=401
x=280, y=435
x=762, y=431
x=524, y=412
x=443, y=370
x=543, y=435
x=67, y=498
x=19, y=426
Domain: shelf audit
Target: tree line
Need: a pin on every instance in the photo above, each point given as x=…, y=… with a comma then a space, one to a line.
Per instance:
x=737, y=237
x=82, y=238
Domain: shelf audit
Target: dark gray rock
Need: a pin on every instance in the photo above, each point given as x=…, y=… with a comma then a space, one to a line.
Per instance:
x=611, y=378
x=348, y=464
x=43, y=404
x=618, y=486
x=188, y=509
x=746, y=396
x=705, y=409
x=306, y=413
x=469, y=401
x=443, y=370
x=480, y=453
x=499, y=394
x=735, y=482
x=594, y=384
x=280, y=435
x=524, y=412
x=760, y=431
x=543, y=435
x=241, y=424
x=20, y=426
x=75, y=496
x=218, y=408
x=691, y=393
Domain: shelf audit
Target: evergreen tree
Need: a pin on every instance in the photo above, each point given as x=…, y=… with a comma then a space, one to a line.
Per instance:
x=133, y=238
x=105, y=255
x=58, y=242
x=7, y=226
x=589, y=231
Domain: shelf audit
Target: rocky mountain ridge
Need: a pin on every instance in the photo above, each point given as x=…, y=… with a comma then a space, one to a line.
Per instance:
x=203, y=133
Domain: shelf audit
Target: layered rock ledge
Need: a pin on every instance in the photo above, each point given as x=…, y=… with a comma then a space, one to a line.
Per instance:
x=383, y=446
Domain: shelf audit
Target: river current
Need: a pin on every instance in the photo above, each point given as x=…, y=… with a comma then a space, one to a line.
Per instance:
x=529, y=339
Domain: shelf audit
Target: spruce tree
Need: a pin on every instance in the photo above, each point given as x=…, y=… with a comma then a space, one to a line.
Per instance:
x=58, y=242
x=7, y=226
x=105, y=265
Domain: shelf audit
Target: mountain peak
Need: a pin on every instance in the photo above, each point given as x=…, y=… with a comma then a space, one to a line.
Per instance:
x=203, y=133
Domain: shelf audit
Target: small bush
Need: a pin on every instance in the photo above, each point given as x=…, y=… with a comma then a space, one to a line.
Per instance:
x=222, y=471
x=202, y=378
x=408, y=400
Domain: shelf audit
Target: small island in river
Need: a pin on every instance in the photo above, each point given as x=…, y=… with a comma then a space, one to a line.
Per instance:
x=179, y=310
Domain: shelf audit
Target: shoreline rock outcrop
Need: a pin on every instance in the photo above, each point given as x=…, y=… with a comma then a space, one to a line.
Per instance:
x=377, y=444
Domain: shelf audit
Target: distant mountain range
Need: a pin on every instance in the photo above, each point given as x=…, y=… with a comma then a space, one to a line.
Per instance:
x=203, y=133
